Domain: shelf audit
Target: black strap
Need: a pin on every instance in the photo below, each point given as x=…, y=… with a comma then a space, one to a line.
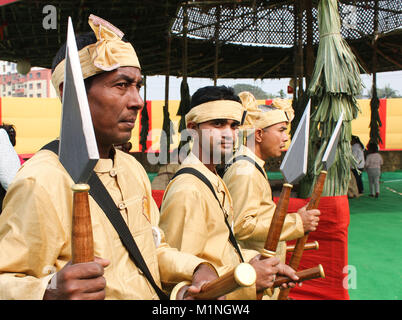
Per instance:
x=204, y=179
x=102, y=197
x=105, y=201
x=247, y=158
x=2, y=195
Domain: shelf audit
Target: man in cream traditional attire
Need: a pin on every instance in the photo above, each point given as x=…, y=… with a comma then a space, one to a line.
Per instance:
x=35, y=226
x=265, y=128
x=191, y=217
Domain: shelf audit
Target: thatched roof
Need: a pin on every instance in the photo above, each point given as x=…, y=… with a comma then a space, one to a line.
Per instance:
x=256, y=38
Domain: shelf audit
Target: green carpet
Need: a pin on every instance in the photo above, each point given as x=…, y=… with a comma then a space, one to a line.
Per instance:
x=374, y=248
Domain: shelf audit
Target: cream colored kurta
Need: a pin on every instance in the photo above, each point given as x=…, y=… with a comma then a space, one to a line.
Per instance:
x=35, y=230
x=254, y=208
x=253, y=205
x=193, y=221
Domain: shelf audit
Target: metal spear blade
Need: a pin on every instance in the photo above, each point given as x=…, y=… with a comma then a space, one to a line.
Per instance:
x=78, y=151
x=330, y=152
x=294, y=164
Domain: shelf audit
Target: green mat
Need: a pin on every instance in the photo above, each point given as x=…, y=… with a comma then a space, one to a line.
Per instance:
x=374, y=249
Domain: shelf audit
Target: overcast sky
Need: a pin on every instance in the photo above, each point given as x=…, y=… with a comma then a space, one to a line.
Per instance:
x=156, y=84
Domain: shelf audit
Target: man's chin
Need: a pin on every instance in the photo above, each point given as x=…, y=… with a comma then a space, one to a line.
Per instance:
x=123, y=139
x=226, y=153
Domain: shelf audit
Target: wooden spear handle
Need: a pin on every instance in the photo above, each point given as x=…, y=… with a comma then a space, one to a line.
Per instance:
x=301, y=242
x=243, y=275
x=82, y=245
x=319, y=186
x=275, y=229
x=309, y=246
x=307, y=274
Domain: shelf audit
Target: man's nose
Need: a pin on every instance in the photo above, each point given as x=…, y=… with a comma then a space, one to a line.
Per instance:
x=228, y=132
x=134, y=99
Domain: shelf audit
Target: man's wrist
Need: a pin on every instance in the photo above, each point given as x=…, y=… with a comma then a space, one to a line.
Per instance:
x=205, y=265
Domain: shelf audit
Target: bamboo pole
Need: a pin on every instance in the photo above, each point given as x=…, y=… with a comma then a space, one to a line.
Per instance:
x=375, y=121
x=185, y=42
x=217, y=45
x=167, y=75
x=300, y=48
x=294, y=55
x=309, y=45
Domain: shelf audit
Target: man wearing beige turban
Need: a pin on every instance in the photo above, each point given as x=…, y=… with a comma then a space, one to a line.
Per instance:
x=35, y=226
x=265, y=128
x=192, y=218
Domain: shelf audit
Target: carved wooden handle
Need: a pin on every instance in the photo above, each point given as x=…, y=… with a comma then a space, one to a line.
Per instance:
x=243, y=275
x=275, y=229
x=82, y=245
x=278, y=218
x=307, y=274
x=309, y=246
x=301, y=242
x=316, y=195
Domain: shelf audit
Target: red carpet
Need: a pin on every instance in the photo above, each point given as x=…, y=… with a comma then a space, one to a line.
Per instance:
x=332, y=235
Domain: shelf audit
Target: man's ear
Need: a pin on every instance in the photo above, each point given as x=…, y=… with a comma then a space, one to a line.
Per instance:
x=192, y=129
x=258, y=135
x=191, y=125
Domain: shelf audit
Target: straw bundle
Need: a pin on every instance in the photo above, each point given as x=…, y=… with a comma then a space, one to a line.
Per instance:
x=335, y=82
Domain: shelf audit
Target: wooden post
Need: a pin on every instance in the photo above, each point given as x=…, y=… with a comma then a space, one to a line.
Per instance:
x=300, y=48
x=216, y=37
x=375, y=121
x=185, y=42
x=374, y=66
x=295, y=87
x=309, y=46
x=168, y=49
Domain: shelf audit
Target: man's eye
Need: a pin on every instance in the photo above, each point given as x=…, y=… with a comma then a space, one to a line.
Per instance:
x=218, y=123
x=122, y=84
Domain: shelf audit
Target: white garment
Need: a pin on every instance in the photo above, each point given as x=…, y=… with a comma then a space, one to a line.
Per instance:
x=358, y=154
x=374, y=180
x=9, y=161
x=374, y=160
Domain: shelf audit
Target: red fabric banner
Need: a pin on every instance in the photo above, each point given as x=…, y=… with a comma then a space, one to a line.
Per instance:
x=382, y=112
x=332, y=236
x=158, y=196
x=4, y=2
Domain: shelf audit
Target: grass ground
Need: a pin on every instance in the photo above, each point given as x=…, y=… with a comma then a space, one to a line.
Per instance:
x=375, y=234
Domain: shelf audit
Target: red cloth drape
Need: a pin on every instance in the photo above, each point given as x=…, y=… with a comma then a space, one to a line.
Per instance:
x=332, y=235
